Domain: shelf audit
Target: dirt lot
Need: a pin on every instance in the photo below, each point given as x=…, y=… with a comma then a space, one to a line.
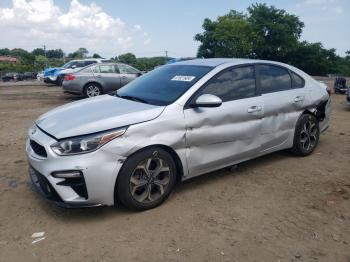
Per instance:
x=275, y=208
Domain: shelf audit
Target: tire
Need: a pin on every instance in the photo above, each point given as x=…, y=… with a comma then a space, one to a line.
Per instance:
x=59, y=80
x=146, y=179
x=92, y=90
x=307, y=134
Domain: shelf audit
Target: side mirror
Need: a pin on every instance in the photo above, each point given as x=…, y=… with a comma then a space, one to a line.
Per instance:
x=207, y=100
x=74, y=66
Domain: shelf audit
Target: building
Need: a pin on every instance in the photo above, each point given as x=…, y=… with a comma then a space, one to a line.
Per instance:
x=8, y=59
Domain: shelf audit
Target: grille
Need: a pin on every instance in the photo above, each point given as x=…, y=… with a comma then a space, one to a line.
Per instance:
x=43, y=186
x=38, y=149
x=77, y=184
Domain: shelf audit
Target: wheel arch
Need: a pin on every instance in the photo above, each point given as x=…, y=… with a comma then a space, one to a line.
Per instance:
x=318, y=111
x=172, y=152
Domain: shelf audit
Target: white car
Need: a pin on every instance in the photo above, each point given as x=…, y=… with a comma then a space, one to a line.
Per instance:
x=171, y=124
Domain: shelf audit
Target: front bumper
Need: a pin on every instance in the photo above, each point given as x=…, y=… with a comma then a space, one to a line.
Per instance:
x=46, y=190
x=99, y=170
x=50, y=79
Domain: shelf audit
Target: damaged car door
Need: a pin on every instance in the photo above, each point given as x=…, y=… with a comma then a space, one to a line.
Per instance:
x=284, y=95
x=219, y=136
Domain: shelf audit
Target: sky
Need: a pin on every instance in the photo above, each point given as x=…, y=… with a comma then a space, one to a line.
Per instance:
x=150, y=27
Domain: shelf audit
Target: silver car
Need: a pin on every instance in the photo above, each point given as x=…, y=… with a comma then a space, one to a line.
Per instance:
x=171, y=124
x=98, y=79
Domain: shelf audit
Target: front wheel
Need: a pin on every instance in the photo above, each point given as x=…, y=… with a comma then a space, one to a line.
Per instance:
x=59, y=80
x=146, y=179
x=307, y=134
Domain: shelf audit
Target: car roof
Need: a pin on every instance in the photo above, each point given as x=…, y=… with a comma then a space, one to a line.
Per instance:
x=214, y=62
x=89, y=59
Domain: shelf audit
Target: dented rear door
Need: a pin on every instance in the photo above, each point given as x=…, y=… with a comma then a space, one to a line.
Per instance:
x=283, y=104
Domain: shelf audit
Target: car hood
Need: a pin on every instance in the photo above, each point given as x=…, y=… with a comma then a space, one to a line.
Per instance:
x=94, y=115
x=52, y=70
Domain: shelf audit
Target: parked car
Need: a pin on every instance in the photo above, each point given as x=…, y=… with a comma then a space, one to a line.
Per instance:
x=171, y=124
x=30, y=75
x=19, y=77
x=99, y=79
x=340, y=85
x=8, y=77
x=56, y=75
x=348, y=97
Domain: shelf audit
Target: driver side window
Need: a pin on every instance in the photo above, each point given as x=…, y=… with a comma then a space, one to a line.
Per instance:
x=232, y=84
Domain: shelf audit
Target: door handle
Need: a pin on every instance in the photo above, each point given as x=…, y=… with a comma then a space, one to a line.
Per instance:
x=298, y=99
x=254, y=109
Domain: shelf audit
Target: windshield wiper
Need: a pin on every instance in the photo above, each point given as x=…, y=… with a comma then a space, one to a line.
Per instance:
x=133, y=98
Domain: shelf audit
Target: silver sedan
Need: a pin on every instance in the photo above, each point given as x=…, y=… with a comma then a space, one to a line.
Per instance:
x=98, y=79
x=174, y=123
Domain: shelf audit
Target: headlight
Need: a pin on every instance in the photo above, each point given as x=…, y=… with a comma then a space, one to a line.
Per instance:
x=85, y=144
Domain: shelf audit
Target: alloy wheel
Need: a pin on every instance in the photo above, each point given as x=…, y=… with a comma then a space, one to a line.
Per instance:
x=92, y=90
x=150, y=180
x=308, y=135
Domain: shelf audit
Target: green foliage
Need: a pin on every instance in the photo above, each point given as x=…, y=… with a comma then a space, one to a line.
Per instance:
x=266, y=32
x=96, y=56
x=81, y=53
x=149, y=63
x=41, y=62
x=230, y=36
x=276, y=31
x=314, y=58
x=5, y=52
x=142, y=63
x=38, y=51
x=127, y=58
x=54, y=53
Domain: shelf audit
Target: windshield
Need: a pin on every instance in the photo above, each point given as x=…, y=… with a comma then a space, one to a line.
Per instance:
x=163, y=85
x=69, y=64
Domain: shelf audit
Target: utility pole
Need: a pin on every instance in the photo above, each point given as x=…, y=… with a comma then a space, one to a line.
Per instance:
x=166, y=53
x=45, y=54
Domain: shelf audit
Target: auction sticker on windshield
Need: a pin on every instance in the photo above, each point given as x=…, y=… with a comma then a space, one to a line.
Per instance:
x=183, y=78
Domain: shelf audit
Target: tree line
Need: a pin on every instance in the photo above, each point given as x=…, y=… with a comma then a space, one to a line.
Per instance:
x=265, y=32
x=39, y=58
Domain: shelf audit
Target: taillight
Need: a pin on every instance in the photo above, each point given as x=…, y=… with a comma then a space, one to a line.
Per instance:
x=69, y=77
x=329, y=90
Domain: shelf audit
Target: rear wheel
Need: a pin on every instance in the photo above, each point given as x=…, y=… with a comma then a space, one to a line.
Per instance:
x=306, y=135
x=146, y=179
x=92, y=89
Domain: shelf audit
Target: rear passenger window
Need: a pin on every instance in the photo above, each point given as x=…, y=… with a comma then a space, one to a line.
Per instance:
x=297, y=81
x=274, y=79
x=107, y=69
x=233, y=84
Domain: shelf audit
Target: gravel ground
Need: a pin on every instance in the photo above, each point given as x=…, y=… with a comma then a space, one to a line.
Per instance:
x=275, y=208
